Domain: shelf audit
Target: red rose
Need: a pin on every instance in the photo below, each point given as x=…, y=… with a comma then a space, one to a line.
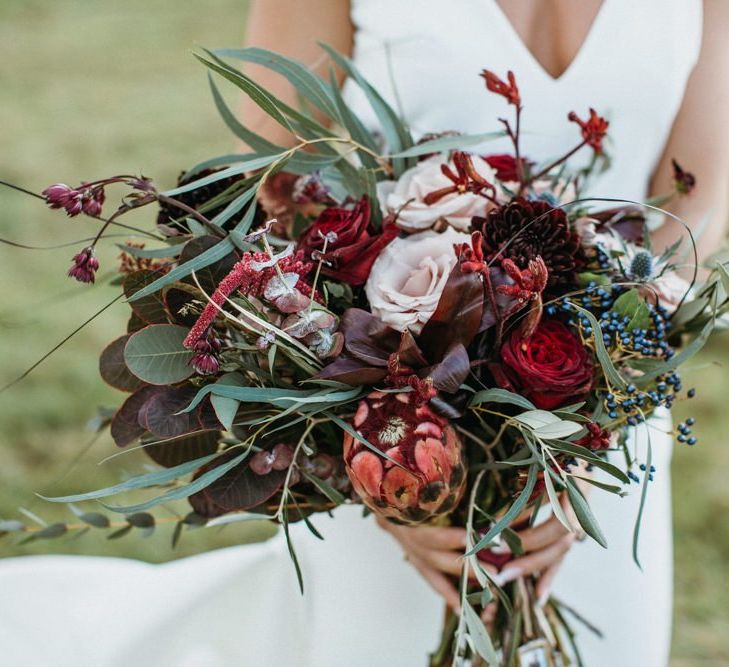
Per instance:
x=352, y=246
x=551, y=368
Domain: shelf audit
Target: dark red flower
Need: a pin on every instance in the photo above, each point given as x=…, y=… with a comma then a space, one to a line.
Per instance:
x=84, y=266
x=596, y=438
x=593, y=129
x=523, y=230
x=346, y=242
x=505, y=166
x=683, y=181
x=526, y=289
x=551, y=368
x=464, y=179
x=509, y=91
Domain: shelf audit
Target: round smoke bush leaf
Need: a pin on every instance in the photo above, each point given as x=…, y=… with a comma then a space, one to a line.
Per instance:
x=113, y=369
x=156, y=354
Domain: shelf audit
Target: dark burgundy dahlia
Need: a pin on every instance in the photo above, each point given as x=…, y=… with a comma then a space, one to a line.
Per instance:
x=523, y=230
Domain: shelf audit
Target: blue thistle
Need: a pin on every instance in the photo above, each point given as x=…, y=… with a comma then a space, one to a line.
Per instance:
x=642, y=265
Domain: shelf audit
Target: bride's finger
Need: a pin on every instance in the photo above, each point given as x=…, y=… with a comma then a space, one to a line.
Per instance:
x=542, y=535
x=544, y=584
x=538, y=561
x=438, y=582
x=437, y=537
x=449, y=562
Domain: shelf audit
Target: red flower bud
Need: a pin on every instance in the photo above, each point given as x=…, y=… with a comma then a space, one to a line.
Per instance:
x=509, y=91
x=593, y=129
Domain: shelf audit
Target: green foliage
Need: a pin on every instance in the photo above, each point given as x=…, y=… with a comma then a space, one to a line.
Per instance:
x=156, y=355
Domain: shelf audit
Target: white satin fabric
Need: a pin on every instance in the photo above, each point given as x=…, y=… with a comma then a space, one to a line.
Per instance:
x=364, y=605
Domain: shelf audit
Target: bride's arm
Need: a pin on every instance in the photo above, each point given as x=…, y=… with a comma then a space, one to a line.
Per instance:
x=700, y=140
x=292, y=28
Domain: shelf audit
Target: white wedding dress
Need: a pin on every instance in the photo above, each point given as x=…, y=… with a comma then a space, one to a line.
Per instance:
x=364, y=605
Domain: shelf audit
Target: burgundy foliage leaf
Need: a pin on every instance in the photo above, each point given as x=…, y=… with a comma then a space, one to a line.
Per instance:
x=449, y=374
x=135, y=323
x=112, y=368
x=239, y=489
x=150, y=309
x=352, y=371
x=175, y=300
x=159, y=414
x=367, y=338
x=210, y=276
x=181, y=450
x=125, y=426
x=457, y=317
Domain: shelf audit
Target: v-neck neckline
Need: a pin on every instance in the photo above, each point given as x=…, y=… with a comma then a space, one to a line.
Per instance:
x=590, y=36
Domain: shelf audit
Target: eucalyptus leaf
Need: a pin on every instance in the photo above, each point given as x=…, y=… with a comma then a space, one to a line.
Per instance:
x=497, y=395
x=603, y=357
x=308, y=84
x=156, y=478
x=445, y=144
x=180, y=492
x=584, y=513
x=479, y=635
x=156, y=355
x=514, y=511
x=209, y=256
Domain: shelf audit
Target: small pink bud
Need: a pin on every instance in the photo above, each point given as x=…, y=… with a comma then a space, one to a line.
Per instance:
x=85, y=266
x=58, y=195
x=92, y=200
x=283, y=456
x=262, y=462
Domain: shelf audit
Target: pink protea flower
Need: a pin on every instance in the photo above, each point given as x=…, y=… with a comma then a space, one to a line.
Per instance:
x=431, y=476
x=84, y=266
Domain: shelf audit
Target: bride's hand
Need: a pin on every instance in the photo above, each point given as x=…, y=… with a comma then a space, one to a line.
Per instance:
x=436, y=552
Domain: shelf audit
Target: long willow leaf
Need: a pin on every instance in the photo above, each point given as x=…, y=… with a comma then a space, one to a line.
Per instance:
x=308, y=84
x=513, y=512
x=602, y=354
x=205, y=480
x=138, y=482
x=444, y=144
x=397, y=136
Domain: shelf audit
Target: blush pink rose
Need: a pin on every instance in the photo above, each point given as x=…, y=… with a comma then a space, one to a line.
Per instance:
x=408, y=277
x=405, y=198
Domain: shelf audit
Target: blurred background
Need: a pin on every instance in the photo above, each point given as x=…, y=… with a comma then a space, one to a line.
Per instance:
x=94, y=89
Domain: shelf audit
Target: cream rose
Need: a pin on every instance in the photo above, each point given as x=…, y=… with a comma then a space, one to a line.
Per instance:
x=408, y=277
x=405, y=197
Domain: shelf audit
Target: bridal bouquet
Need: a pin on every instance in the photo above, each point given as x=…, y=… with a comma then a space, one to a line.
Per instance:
x=442, y=335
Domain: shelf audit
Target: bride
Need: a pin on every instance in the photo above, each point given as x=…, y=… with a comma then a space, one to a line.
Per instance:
x=375, y=594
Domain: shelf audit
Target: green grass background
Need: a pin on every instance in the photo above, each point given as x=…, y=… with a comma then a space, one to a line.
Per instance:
x=89, y=89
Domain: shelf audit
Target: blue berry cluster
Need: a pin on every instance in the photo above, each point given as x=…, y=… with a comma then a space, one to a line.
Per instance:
x=684, y=430
x=643, y=468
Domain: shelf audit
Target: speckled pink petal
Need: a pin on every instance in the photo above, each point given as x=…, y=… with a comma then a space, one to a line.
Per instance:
x=367, y=468
x=400, y=488
x=431, y=459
